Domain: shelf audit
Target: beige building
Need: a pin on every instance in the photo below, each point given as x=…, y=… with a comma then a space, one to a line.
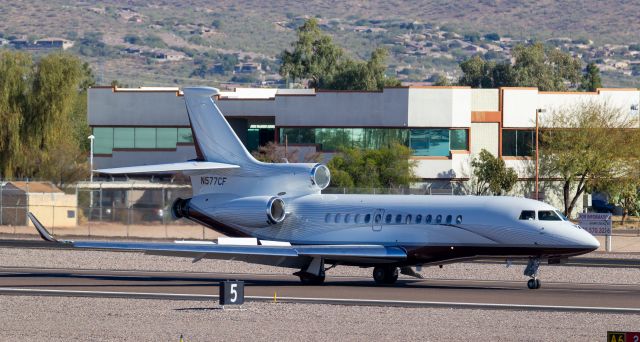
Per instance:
x=51, y=205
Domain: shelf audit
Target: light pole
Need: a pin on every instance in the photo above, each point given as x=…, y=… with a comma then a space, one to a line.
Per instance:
x=538, y=112
x=91, y=139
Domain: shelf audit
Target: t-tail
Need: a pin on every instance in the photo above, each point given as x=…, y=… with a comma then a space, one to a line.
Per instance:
x=225, y=173
x=214, y=139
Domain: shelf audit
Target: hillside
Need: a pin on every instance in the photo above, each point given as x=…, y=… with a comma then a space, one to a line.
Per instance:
x=197, y=41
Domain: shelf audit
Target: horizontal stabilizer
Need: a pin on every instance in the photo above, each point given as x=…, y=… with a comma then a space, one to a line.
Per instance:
x=186, y=167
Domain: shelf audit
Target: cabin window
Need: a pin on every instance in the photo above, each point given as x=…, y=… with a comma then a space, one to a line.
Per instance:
x=388, y=218
x=528, y=215
x=449, y=219
x=357, y=218
x=427, y=220
x=347, y=218
x=418, y=219
x=338, y=217
x=458, y=219
x=408, y=219
x=398, y=218
x=439, y=219
x=367, y=218
x=548, y=215
x=327, y=218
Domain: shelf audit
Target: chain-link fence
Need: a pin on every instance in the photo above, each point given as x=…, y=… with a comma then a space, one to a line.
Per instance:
x=135, y=209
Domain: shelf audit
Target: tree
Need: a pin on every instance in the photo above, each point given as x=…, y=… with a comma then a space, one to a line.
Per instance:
x=587, y=146
x=43, y=115
x=534, y=66
x=547, y=69
x=388, y=167
x=625, y=193
x=492, y=175
x=324, y=64
x=591, y=80
x=14, y=84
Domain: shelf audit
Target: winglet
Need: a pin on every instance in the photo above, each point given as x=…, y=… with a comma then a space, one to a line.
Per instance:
x=44, y=234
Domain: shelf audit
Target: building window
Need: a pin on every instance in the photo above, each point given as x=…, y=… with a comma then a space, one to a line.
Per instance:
x=108, y=138
x=123, y=137
x=518, y=142
x=166, y=137
x=103, y=142
x=423, y=142
x=185, y=136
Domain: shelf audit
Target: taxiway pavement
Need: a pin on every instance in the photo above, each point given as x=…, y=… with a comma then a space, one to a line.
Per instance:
x=337, y=290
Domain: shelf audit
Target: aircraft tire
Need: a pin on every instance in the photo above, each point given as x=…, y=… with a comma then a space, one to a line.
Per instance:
x=534, y=284
x=385, y=275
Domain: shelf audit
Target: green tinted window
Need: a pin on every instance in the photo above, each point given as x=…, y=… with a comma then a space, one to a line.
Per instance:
x=459, y=139
x=166, y=137
x=517, y=142
x=103, y=142
x=430, y=142
x=185, y=135
x=123, y=137
x=145, y=138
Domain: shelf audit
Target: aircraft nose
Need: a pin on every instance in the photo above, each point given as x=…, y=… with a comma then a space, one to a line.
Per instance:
x=589, y=241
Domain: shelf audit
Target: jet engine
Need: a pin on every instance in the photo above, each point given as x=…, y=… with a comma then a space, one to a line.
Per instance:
x=255, y=211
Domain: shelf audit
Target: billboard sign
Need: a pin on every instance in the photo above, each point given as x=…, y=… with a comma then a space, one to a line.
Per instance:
x=595, y=223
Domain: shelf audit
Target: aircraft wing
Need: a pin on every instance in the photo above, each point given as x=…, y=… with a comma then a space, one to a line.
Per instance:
x=264, y=254
x=190, y=166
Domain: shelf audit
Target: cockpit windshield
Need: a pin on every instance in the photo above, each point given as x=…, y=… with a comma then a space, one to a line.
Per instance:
x=564, y=218
x=548, y=215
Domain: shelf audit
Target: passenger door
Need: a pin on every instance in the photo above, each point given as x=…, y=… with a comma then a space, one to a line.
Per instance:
x=376, y=222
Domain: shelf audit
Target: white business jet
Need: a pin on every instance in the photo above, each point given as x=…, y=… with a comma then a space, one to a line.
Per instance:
x=275, y=214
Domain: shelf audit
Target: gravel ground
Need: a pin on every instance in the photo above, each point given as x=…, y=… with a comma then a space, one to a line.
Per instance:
x=138, y=261
x=26, y=318
x=98, y=319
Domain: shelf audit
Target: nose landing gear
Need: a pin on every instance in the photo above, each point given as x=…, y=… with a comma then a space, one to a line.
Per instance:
x=532, y=271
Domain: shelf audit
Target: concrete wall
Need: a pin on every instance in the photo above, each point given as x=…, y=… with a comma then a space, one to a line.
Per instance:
x=520, y=104
x=485, y=100
x=443, y=168
x=134, y=157
x=135, y=108
x=344, y=109
x=439, y=107
x=484, y=135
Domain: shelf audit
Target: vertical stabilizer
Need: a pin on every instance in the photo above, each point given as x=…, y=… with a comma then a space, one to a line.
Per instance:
x=214, y=138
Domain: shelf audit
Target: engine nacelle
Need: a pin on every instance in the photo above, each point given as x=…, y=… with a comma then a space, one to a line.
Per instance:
x=255, y=211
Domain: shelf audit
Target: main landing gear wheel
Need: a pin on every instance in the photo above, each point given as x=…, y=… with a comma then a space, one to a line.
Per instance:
x=534, y=284
x=385, y=275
